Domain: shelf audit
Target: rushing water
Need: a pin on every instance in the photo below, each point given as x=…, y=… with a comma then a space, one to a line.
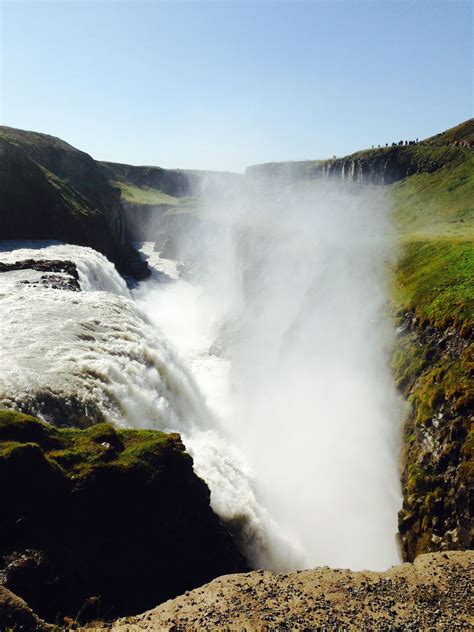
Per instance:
x=98, y=353
x=301, y=476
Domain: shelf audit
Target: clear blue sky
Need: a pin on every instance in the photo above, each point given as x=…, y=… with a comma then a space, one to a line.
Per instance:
x=222, y=85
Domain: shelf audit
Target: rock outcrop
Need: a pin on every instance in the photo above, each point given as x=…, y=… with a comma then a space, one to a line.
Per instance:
x=431, y=594
x=382, y=166
x=433, y=368
x=103, y=522
x=59, y=275
x=15, y=614
x=379, y=166
x=50, y=190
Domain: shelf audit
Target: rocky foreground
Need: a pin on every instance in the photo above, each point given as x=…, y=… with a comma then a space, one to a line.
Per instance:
x=101, y=523
x=433, y=593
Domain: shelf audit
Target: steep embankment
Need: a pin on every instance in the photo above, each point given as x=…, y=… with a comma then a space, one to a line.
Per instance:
x=433, y=593
x=103, y=521
x=434, y=359
x=50, y=190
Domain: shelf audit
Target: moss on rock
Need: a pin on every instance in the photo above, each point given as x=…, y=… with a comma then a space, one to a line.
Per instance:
x=88, y=514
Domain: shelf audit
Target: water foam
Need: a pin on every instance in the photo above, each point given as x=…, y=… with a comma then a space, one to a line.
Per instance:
x=96, y=355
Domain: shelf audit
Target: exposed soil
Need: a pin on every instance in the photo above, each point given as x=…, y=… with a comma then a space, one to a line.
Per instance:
x=433, y=593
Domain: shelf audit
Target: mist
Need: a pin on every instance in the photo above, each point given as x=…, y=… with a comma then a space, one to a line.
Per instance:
x=281, y=314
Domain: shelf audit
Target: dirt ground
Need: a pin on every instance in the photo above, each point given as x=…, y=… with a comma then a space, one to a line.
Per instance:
x=433, y=593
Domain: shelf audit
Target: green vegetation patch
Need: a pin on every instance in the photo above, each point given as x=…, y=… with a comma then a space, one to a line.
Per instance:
x=78, y=452
x=439, y=203
x=144, y=195
x=434, y=279
x=74, y=201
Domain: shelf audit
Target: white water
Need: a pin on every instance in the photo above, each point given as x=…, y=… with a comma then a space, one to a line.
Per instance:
x=295, y=280
x=295, y=429
x=97, y=351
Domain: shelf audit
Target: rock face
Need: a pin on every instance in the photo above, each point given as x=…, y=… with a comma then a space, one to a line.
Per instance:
x=433, y=369
x=149, y=192
x=433, y=593
x=380, y=166
x=15, y=614
x=59, y=275
x=50, y=190
x=103, y=522
x=375, y=167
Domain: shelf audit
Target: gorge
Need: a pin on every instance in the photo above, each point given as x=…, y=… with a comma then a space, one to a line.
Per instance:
x=258, y=322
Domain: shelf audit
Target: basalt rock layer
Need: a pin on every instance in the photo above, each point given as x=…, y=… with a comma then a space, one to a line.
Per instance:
x=433, y=369
x=103, y=522
x=380, y=165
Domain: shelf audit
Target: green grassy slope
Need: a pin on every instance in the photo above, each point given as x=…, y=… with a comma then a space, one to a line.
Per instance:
x=433, y=294
x=144, y=195
x=434, y=215
x=51, y=190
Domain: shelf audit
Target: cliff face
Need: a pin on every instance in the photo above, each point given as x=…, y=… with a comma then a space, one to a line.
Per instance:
x=383, y=166
x=50, y=190
x=432, y=367
x=149, y=192
x=169, y=181
x=380, y=166
x=103, y=521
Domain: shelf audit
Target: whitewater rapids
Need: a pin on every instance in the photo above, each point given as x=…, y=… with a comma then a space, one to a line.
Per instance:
x=95, y=355
x=293, y=430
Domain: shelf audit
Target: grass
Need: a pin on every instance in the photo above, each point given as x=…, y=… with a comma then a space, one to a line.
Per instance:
x=144, y=195
x=74, y=201
x=434, y=216
x=433, y=279
x=35, y=141
x=437, y=204
x=79, y=452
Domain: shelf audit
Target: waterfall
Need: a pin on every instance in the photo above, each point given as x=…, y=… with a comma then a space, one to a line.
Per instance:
x=286, y=286
x=292, y=420
x=94, y=355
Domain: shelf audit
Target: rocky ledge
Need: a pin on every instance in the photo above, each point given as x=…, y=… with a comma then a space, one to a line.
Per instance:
x=433, y=369
x=102, y=522
x=430, y=594
x=58, y=275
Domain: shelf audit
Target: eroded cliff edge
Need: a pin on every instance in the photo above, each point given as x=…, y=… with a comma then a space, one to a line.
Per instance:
x=103, y=522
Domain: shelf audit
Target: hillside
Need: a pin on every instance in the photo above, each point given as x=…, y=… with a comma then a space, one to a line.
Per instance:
x=382, y=165
x=50, y=190
x=433, y=295
x=149, y=193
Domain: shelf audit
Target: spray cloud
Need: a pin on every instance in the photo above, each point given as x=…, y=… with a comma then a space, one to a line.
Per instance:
x=286, y=283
